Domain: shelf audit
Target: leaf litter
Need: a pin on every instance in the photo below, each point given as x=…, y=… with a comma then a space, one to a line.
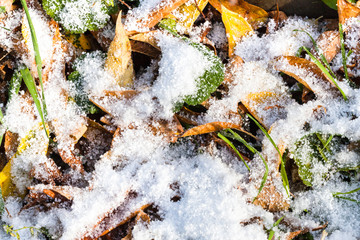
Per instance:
x=169, y=119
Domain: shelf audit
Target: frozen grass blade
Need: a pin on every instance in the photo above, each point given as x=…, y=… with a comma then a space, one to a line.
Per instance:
x=322, y=57
x=234, y=148
x=30, y=84
x=37, y=53
x=282, y=171
x=272, y=232
x=326, y=72
x=253, y=150
x=338, y=195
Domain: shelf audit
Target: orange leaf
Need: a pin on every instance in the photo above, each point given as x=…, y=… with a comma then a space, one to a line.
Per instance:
x=329, y=44
x=302, y=70
x=346, y=10
x=163, y=8
x=213, y=127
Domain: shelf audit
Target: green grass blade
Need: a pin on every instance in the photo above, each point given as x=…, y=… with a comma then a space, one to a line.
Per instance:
x=234, y=148
x=30, y=84
x=343, y=53
x=272, y=232
x=322, y=57
x=252, y=149
x=352, y=191
x=282, y=168
x=37, y=53
x=326, y=72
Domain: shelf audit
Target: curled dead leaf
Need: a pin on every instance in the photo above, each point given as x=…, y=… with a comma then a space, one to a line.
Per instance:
x=301, y=69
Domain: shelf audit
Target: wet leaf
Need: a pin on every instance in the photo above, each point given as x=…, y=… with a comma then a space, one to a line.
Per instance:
x=118, y=62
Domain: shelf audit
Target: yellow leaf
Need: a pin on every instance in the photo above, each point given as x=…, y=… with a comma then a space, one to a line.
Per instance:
x=239, y=18
x=78, y=41
x=187, y=13
x=7, y=186
x=264, y=102
x=119, y=63
x=236, y=27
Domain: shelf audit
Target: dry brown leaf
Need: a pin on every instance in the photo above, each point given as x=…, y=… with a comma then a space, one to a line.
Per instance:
x=146, y=37
x=347, y=10
x=163, y=8
x=285, y=63
x=118, y=62
x=11, y=144
x=329, y=44
x=102, y=37
x=69, y=157
x=271, y=199
x=144, y=48
x=66, y=191
x=114, y=218
x=213, y=127
x=47, y=172
x=265, y=103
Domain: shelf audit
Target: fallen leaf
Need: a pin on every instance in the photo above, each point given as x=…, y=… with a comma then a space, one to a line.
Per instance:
x=264, y=104
x=329, y=44
x=301, y=69
x=347, y=10
x=114, y=218
x=236, y=27
x=147, y=37
x=144, y=48
x=118, y=62
x=163, y=8
x=239, y=18
x=271, y=199
x=213, y=127
x=187, y=13
x=11, y=143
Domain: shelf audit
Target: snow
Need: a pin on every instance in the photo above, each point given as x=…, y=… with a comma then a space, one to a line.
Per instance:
x=77, y=15
x=213, y=188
